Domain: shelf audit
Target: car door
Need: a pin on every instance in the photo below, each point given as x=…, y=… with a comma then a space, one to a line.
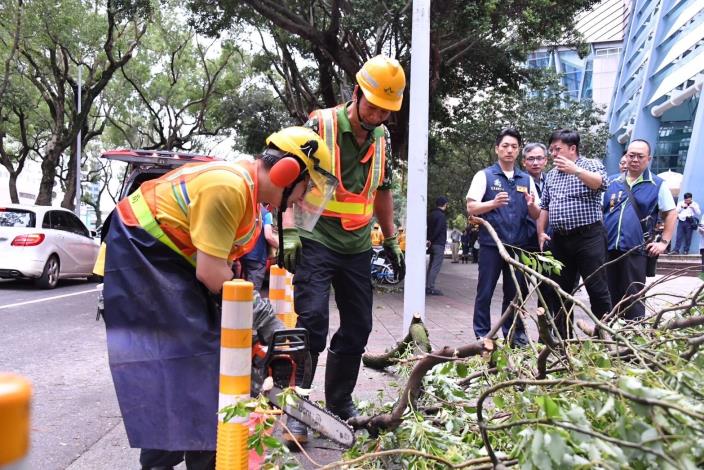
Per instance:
x=69, y=242
x=84, y=247
x=55, y=232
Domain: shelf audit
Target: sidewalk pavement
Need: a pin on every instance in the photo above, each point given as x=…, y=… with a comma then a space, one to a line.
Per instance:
x=448, y=319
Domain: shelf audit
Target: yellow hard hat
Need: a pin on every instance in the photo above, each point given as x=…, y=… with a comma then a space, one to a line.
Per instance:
x=382, y=81
x=310, y=149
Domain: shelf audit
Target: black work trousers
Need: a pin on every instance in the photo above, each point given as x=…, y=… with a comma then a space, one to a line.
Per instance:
x=350, y=276
x=583, y=253
x=627, y=277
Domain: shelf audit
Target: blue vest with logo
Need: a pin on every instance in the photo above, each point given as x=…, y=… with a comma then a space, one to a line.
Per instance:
x=508, y=221
x=623, y=227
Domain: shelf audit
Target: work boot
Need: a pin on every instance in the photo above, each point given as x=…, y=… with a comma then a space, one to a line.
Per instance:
x=340, y=378
x=298, y=431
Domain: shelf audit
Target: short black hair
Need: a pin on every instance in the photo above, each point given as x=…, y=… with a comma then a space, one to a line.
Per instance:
x=687, y=196
x=508, y=131
x=647, y=144
x=566, y=136
x=440, y=201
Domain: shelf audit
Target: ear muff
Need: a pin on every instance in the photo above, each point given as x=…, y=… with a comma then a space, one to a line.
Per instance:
x=285, y=172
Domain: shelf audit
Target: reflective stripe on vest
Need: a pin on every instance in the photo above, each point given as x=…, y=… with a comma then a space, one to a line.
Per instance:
x=146, y=220
x=144, y=211
x=355, y=210
x=179, y=189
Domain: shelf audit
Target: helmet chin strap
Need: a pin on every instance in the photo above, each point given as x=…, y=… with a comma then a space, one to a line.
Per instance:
x=280, y=216
x=280, y=222
x=367, y=127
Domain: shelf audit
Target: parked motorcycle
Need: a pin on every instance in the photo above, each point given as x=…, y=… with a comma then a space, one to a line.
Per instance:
x=382, y=270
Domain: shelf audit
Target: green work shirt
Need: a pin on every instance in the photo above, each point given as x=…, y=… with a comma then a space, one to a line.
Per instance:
x=328, y=230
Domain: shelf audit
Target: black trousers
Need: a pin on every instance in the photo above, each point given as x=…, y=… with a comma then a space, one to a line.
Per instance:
x=195, y=460
x=350, y=276
x=583, y=253
x=627, y=277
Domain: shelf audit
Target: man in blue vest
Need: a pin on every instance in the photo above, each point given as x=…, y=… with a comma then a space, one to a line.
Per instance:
x=630, y=241
x=505, y=197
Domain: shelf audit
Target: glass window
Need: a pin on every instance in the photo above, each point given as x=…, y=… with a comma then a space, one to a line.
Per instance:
x=672, y=146
x=75, y=224
x=10, y=217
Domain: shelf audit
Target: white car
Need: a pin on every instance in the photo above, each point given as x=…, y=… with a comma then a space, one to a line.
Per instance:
x=44, y=243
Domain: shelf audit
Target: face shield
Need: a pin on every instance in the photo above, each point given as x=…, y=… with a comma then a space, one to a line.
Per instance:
x=321, y=189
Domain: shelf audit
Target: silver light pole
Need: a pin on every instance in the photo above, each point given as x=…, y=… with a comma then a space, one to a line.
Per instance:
x=416, y=195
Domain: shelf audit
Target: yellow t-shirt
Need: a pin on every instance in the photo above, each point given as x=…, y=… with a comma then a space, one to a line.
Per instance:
x=211, y=206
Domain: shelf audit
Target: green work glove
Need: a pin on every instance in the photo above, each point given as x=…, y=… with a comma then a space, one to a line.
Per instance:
x=292, y=248
x=393, y=253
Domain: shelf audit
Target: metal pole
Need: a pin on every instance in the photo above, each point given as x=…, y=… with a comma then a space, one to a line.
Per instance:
x=416, y=195
x=77, y=210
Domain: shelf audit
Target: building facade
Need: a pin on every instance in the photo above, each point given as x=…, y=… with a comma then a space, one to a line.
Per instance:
x=658, y=90
x=591, y=77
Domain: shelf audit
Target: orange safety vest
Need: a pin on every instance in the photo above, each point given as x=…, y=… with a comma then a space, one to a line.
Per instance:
x=139, y=209
x=354, y=210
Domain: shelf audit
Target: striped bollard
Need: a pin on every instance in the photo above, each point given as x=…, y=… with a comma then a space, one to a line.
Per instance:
x=281, y=295
x=15, y=397
x=291, y=317
x=235, y=373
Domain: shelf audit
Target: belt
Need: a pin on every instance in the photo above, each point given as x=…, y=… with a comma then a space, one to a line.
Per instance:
x=578, y=230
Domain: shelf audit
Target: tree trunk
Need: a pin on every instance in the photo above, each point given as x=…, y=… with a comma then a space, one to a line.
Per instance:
x=69, y=201
x=12, y=185
x=46, y=186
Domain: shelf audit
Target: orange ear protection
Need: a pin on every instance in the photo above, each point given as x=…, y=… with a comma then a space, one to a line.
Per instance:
x=285, y=172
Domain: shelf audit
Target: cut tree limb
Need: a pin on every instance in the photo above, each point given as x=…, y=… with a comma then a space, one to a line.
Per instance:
x=417, y=338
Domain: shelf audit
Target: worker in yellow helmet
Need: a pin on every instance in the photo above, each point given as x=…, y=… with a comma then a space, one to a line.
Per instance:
x=377, y=235
x=168, y=248
x=402, y=239
x=337, y=251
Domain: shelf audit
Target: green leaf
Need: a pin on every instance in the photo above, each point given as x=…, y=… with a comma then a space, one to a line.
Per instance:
x=462, y=369
x=498, y=401
x=555, y=445
x=524, y=259
x=549, y=406
x=608, y=406
x=271, y=442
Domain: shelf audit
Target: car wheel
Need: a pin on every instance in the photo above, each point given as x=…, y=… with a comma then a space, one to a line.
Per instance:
x=50, y=276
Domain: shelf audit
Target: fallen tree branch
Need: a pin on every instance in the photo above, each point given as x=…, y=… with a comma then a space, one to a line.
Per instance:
x=482, y=423
x=386, y=453
x=588, y=432
x=417, y=337
x=412, y=390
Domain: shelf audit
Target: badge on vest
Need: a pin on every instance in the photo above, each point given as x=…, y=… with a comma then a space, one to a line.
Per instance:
x=496, y=185
x=521, y=189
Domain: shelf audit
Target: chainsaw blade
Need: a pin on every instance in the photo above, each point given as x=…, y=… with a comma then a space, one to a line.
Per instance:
x=315, y=417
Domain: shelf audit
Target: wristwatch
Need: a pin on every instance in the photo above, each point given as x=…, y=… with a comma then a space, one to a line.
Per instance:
x=578, y=172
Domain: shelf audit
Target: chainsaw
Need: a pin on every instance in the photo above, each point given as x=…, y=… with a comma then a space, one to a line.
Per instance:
x=287, y=351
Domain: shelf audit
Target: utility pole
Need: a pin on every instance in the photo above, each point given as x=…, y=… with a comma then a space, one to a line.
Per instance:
x=77, y=210
x=417, y=191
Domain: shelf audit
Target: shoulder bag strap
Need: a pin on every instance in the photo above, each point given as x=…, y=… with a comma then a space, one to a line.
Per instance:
x=632, y=200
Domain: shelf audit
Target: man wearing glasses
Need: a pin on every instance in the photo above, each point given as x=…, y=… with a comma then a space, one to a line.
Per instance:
x=535, y=157
x=505, y=197
x=572, y=203
x=631, y=229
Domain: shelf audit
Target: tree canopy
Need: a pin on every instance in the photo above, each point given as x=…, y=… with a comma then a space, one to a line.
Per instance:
x=311, y=49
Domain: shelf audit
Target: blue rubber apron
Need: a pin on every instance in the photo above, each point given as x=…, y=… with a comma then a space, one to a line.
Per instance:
x=163, y=335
